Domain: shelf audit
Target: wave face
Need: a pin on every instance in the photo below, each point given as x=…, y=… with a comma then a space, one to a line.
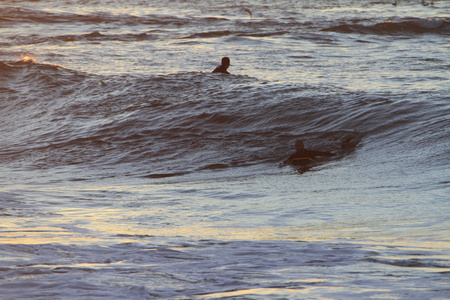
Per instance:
x=188, y=122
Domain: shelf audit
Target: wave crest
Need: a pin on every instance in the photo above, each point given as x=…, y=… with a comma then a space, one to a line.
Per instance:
x=414, y=26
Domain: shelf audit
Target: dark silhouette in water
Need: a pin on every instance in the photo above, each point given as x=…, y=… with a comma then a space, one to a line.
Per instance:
x=223, y=67
x=303, y=156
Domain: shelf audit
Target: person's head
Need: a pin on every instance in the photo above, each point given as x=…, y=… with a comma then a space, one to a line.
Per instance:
x=299, y=145
x=225, y=62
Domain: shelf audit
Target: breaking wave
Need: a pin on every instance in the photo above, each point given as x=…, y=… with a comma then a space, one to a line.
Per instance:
x=186, y=122
x=410, y=26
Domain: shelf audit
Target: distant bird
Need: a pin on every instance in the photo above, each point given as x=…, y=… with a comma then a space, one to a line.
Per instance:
x=395, y=3
x=248, y=11
x=424, y=3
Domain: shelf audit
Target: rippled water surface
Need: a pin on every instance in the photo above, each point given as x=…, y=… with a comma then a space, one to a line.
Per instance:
x=129, y=171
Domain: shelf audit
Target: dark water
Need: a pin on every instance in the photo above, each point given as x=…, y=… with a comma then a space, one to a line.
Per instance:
x=128, y=170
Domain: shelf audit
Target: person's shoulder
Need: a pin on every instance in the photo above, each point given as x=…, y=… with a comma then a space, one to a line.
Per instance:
x=220, y=69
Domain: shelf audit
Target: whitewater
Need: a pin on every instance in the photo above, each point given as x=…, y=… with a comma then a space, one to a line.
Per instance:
x=129, y=171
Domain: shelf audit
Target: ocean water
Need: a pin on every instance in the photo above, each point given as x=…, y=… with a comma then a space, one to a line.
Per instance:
x=129, y=171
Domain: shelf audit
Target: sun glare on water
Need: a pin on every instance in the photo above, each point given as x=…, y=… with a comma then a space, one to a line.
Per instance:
x=27, y=58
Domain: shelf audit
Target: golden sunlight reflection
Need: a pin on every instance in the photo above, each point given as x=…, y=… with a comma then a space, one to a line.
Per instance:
x=27, y=58
x=132, y=221
x=293, y=292
x=117, y=225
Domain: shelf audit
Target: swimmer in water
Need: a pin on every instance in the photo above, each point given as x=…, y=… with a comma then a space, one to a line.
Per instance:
x=223, y=67
x=304, y=156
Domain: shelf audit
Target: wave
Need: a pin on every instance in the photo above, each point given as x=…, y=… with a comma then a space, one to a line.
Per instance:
x=27, y=15
x=176, y=124
x=409, y=26
x=222, y=33
x=412, y=263
x=90, y=37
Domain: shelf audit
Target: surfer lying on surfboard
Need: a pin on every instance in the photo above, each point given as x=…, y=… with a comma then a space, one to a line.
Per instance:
x=304, y=156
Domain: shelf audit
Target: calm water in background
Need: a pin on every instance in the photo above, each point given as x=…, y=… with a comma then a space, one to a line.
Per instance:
x=129, y=171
